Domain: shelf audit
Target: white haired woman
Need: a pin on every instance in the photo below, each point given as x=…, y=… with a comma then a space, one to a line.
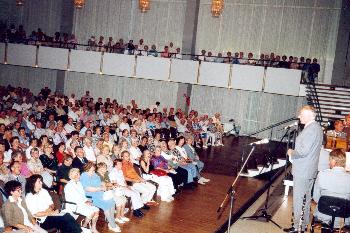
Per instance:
x=74, y=192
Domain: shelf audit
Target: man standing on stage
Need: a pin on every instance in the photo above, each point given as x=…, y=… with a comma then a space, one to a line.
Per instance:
x=305, y=162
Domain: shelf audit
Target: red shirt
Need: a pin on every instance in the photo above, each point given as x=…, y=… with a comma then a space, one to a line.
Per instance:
x=60, y=157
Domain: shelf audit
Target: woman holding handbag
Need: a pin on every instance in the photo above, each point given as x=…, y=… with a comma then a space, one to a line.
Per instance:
x=94, y=187
x=160, y=176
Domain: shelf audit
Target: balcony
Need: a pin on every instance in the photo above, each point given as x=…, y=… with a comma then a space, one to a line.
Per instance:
x=240, y=77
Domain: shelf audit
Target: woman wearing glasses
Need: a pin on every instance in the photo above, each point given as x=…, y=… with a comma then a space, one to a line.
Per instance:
x=15, y=212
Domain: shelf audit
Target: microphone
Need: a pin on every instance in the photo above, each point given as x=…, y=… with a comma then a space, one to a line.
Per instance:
x=291, y=125
x=260, y=142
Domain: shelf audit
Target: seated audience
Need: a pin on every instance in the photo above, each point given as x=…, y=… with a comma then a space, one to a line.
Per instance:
x=94, y=187
x=15, y=174
x=338, y=130
x=63, y=170
x=177, y=54
x=105, y=157
x=79, y=161
x=153, y=51
x=193, y=156
x=183, y=160
x=48, y=160
x=145, y=188
x=15, y=212
x=45, y=213
x=165, y=53
x=112, y=193
x=74, y=192
x=117, y=177
x=24, y=169
x=36, y=167
x=165, y=184
x=283, y=63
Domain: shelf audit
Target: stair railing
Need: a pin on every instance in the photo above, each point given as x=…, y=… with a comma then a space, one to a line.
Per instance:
x=312, y=99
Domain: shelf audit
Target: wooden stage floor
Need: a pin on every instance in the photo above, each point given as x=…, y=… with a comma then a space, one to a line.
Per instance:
x=195, y=210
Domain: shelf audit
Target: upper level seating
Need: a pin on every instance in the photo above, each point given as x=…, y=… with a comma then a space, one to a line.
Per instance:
x=309, y=67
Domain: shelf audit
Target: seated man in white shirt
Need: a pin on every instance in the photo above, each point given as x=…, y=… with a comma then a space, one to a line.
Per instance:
x=106, y=120
x=18, y=106
x=89, y=150
x=26, y=105
x=181, y=125
x=74, y=137
x=124, y=125
x=177, y=54
x=69, y=127
x=334, y=182
x=4, y=119
x=73, y=113
x=116, y=176
x=59, y=136
x=135, y=152
x=39, y=131
x=87, y=125
x=72, y=99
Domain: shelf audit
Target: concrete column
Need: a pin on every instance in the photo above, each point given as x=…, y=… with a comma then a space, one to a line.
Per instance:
x=341, y=66
x=60, y=77
x=67, y=18
x=190, y=28
x=188, y=47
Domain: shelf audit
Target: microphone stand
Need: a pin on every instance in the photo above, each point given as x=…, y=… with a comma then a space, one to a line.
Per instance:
x=293, y=134
x=264, y=214
x=231, y=191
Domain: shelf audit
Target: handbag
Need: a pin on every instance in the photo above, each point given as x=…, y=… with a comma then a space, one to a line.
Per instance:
x=158, y=172
x=108, y=195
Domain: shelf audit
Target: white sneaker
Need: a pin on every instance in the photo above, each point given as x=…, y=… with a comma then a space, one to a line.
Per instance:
x=114, y=229
x=125, y=219
x=205, y=147
x=126, y=210
x=201, y=179
x=168, y=199
x=205, y=179
x=201, y=182
x=119, y=220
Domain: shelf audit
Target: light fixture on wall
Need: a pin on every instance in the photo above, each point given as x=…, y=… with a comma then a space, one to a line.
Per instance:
x=19, y=2
x=79, y=3
x=217, y=6
x=144, y=5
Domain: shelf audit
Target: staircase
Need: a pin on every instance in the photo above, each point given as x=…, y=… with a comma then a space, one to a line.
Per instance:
x=261, y=169
x=270, y=156
x=313, y=100
x=331, y=102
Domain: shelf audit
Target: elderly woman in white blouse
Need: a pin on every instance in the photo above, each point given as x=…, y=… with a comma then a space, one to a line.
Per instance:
x=89, y=150
x=74, y=192
x=105, y=157
x=36, y=167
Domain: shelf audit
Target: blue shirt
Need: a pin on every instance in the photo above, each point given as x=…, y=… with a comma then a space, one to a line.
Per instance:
x=97, y=197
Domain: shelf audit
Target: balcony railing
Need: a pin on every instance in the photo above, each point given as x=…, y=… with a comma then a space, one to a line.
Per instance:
x=235, y=76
